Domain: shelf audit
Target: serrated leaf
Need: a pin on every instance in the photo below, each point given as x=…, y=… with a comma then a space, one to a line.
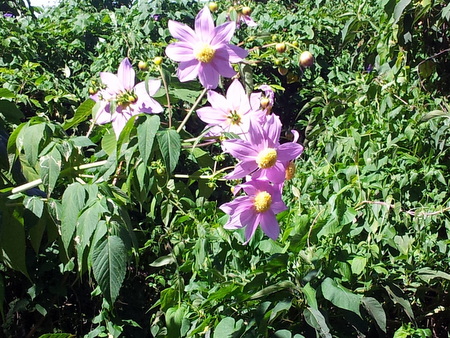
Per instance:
x=109, y=263
x=73, y=201
x=170, y=147
x=81, y=114
x=340, y=297
x=146, y=132
x=50, y=168
x=376, y=310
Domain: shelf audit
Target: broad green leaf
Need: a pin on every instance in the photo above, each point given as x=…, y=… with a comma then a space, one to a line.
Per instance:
x=226, y=328
x=81, y=114
x=12, y=240
x=433, y=114
x=6, y=93
x=340, y=296
x=284, y=285
x=170, y=147
x=315, y=319
x=146, y=132
x=399, y=8
x=428, y=274
x=162, y=261
x=310, y=294
x=109, y=262
x=376, y=310
x=50, y=168
x=72, y=203
x=174, y=318
x=109, y=142
x=37, y=232
x=399, y=297
x=358, y=264
x=282, y=334
x=34, y=204
x=9, y=110
x=29, y=139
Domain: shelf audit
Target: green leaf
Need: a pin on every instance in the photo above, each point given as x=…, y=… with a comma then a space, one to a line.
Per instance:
x=174, y=319
x=6, y=93
x=50, y=168
x=34, y=204
x=226, y=328
x=315, y=319
x=146, y=132
x=57, y=335
x=109, y=262
x=29, y=139
x=376, y=310
x=9, y=110
x=162, y=261
x=12, y=240
x=73, y=201
x=109, y=142
x=399, y=8
x=427, y=274
x=397, y=296
x=358, y=264
x=340, y=296
x=81, y=114
x=284, y=285
x=282, y=334
x=433, y=114
x=170, y=147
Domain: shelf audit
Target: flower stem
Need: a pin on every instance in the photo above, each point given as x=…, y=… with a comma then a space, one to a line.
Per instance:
x=186, y=118
x=169, y=106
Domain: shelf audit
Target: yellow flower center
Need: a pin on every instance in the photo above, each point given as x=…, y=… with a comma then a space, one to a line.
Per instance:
x=266, y=158
x=234, y=117
x=262, y=202
x=204, y=53
x=290, y=171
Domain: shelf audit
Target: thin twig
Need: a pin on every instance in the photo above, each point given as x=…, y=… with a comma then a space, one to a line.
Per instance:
x=186, y=118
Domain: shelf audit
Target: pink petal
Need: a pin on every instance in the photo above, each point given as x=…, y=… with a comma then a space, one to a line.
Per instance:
x=269, y=224
x=126, y=74
x=208, y=76
x=119, y=122
x=188, y=71
x=153, y=87
x=204, y=25
x=221, y=63
x=289, y=151
x=182, y=32
x=273, y=128
x=236, y=95
x=211, y=115
x=276, y=174
x=240, y=149
x=278, y=207
x=114, y=85
x=223, y=33
x=251, y=228
x=218, y=101
x=236, y=54
x=241, y=170
x=180, y=51
x=103, y=116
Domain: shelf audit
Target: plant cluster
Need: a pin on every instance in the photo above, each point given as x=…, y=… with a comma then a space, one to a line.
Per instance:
x=151, y=182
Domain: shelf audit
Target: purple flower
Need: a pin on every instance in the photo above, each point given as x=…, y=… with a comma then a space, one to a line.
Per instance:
x=258, y=207
x=205, y=52
x=247, y=20
x=127, y=98
x=263, y=100
x=8, y=15
x=262, y=156
x=228, y=114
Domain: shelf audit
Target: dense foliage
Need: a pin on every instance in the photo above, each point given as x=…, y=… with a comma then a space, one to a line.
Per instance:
x=124, y=236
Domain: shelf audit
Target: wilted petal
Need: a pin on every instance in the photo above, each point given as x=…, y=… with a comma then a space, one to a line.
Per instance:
x=180, y=51
x=182, y=32
x=126, y=74
x=204, y=25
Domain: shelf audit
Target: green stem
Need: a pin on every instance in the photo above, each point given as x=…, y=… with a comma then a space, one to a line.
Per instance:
x=169, y=106
x=35, y=183
x=191, y=110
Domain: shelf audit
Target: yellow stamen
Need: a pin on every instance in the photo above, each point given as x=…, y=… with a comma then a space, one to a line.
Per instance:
x=266, y=158
x=262, y=202
x=204, y=53
x=234, y=117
